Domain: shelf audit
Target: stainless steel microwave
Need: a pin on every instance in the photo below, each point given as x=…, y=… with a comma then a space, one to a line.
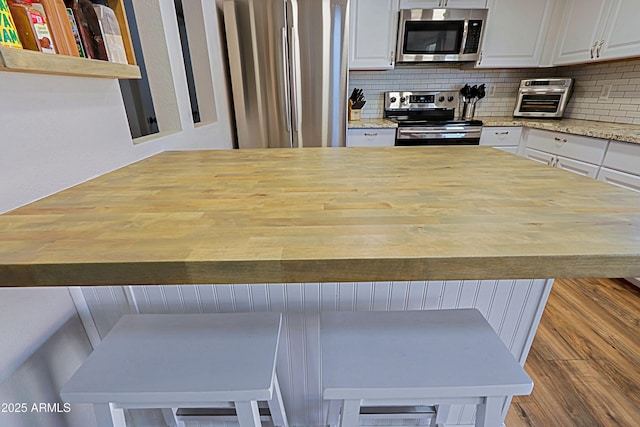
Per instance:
x=440, y=35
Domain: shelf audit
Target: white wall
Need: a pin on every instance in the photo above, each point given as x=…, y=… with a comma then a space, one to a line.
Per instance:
x=58, y=131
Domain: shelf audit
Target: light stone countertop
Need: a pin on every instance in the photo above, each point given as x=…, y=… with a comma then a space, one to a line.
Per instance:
x=604, y=130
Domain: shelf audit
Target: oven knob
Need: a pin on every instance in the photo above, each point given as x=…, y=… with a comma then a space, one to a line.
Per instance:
x=392, y=99
x=441, y=99
x=403, y=100
x=450, y=99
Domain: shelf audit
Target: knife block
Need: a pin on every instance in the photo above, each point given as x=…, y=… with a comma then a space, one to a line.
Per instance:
x=354, y=114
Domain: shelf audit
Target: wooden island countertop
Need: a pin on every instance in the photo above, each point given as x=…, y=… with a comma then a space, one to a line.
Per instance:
x=323, y=215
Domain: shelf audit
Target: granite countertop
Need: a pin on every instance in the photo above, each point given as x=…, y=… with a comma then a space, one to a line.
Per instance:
x=323, y=215
x=605, y=130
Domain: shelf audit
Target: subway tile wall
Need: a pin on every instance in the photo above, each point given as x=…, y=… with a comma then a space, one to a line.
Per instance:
x=619, y=81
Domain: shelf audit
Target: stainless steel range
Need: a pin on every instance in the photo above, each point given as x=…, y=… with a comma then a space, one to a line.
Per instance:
x=429, y=118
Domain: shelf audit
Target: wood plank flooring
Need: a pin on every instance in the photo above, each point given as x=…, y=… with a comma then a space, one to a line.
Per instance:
x=585, y=359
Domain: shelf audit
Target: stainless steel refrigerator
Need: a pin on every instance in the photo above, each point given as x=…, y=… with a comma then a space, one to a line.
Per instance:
x=288, y=66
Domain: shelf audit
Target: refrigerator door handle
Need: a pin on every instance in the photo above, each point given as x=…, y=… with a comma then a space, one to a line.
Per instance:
x=295, y=59
x=287, y=90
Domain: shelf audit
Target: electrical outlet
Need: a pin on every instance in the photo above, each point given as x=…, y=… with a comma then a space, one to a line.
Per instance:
x=604, y=93
x=492, y=90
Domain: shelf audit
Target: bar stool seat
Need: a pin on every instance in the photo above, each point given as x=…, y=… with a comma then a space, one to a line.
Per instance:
x=416, y=358
x=183, y=361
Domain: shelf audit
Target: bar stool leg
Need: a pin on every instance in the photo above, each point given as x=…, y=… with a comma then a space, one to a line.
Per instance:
x=170, y=417
x=248, y=415
x=333, y=414
x=276, y=407
x=109, y=416
x=489, y=414
x=350, y=413
x=442, y=413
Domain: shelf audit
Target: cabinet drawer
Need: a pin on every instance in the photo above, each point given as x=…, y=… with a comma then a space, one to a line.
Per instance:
x=500, y=136
x=623, y=156
x=577, y=147
x=375, y=137
x=621, y=179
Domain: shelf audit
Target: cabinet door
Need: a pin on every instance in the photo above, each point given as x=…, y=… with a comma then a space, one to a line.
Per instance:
x=584, y=148
x=430, y=4
x=515, y=33
x=583, y=24
x=621, y=179
x=539, y=156
x=581, y=168
x=622, y=36
x=371, y=137
x=373, y=34
x=500, y=136
x=623, y=156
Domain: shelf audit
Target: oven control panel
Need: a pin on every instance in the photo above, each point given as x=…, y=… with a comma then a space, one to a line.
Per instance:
x=420, y=100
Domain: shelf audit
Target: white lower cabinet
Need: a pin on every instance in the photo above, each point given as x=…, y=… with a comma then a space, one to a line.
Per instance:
x=373, y=137
x=621, y=166
x=578, y=154
x=620, y=179
x=505, y=138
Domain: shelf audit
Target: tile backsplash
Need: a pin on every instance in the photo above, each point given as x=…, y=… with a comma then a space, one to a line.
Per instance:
x=608, y=92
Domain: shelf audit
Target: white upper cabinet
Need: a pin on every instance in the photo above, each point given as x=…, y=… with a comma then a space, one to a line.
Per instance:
x=622, y=35
x=598, y=30
x=430, y=4
x=515, y=33
x=372, y=34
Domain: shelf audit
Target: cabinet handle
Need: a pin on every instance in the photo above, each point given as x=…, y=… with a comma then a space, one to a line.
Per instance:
x=550, y=162
x=555, y=164
x=599, y=48
x=391, y=55
x=560, y=140
x=503, y=133
x=480, y=58
x=370, y=134
x=593, y=48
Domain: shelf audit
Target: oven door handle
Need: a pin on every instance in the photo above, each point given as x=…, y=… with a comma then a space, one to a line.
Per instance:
x=440, y=132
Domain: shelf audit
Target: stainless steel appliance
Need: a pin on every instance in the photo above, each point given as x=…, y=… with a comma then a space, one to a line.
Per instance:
x=288, y=66
x=543, y=98
x=428, y=118
x=440, y=35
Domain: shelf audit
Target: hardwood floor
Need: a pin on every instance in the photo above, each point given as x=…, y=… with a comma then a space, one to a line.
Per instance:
x=585, y=359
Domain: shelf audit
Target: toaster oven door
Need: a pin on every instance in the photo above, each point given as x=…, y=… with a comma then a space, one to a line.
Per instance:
x=540, y=104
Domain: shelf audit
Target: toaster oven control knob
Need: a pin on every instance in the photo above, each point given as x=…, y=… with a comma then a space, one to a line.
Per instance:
x=403, y=100
x=450, y=98
x=392, y=99
x=441, y=99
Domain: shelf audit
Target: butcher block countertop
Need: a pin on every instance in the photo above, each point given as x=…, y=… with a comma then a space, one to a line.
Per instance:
x=323, y=215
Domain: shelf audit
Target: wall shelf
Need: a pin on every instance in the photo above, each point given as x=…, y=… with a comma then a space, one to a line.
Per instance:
x=28, y=61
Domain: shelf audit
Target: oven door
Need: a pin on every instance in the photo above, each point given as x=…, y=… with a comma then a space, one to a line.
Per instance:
x=438, y=136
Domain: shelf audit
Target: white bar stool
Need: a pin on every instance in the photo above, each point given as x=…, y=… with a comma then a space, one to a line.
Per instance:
x=183, y=361
x=416, y=358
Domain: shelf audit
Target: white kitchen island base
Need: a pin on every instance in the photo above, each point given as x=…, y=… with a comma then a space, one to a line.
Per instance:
x=512, y=307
